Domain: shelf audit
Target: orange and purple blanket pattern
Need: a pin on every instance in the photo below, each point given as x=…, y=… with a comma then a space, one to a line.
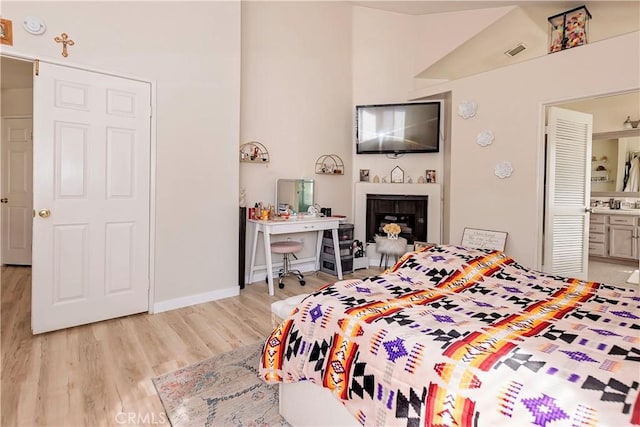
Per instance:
x=466, y=337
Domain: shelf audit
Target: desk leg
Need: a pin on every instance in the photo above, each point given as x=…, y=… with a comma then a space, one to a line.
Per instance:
x=318, y=248
x=253, y=252
x=336, y=248
x=267, y=255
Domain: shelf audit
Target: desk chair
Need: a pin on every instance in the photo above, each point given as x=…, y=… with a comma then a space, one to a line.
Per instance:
x=288, y=249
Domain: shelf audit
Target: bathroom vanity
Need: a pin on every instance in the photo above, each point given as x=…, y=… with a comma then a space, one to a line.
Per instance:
x=615, y=234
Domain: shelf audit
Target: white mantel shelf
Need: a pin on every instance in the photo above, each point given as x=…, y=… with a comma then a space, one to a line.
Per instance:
x=434, y=207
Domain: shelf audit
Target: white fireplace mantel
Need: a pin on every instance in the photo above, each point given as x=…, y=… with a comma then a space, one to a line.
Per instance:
x=434, y=209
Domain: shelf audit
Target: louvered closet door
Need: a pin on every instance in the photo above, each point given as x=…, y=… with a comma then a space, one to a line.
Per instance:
x=568, y=185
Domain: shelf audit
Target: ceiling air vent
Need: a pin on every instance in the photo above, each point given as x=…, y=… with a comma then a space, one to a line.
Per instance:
x=516, y=50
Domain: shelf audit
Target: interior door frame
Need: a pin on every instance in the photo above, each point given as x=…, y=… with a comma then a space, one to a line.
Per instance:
x=2, y=118
x=542, y=126
x=152, y=156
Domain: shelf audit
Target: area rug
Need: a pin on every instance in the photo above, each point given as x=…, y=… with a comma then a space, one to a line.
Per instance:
x=221, y=391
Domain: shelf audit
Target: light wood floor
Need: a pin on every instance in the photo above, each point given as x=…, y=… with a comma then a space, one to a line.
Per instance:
x=100, y=374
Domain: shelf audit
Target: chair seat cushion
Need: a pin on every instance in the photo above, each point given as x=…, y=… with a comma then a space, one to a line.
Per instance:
x=388, y=246
x=286, y=247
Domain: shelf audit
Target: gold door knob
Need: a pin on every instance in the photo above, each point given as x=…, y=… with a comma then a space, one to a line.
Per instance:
x=44, y=213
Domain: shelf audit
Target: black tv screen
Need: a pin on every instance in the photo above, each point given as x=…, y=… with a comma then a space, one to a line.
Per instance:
x=398, y=128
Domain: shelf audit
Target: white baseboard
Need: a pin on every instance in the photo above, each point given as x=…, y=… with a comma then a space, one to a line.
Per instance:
x=189, y=300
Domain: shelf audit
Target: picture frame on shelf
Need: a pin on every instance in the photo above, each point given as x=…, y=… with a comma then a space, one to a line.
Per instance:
x=430, y=175
x=364, y=175
x=397, y=175
x=6, y=32
x=484, y=239
x=419, y=245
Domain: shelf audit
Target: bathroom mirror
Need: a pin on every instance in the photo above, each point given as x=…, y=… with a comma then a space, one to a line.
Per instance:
x=611, y=164
x=294, y=194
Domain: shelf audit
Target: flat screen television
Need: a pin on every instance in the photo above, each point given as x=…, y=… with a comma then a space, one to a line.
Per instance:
x=398, y=128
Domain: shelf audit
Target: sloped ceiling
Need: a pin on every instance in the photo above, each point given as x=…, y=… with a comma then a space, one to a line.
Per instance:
x=526, y=23
x=486, y=50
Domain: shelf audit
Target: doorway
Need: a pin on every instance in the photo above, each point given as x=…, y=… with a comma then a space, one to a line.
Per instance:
x=92, y=206
x=16, y=157
x=609, y=113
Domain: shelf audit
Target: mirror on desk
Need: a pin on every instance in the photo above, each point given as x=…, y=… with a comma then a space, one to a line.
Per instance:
x=610, y=165
x=294, y=194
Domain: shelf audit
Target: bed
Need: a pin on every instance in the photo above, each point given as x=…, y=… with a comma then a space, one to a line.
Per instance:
x=453, y=336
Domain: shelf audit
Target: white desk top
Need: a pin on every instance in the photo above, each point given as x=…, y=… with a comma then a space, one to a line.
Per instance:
x=297, y=219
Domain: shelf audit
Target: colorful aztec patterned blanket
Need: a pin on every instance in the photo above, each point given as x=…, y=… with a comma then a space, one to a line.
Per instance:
x=452, y=336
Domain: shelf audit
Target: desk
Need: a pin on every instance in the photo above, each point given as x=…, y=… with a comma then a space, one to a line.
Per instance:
x=292, y=225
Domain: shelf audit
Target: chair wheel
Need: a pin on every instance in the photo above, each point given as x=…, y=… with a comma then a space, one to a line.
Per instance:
x=281, y=285
x=302, y=282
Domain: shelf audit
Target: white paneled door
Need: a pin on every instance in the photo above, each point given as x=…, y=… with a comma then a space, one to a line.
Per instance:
x=568, y=187
x=16, y=194
x=91, y=151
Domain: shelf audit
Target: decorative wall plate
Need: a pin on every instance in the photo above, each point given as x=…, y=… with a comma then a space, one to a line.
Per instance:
x=467, y=109
x=485, y=138
x=503, y=170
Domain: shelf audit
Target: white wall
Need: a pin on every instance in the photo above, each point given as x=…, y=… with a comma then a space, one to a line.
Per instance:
x=192, y=52
x=385, y=63
x=16, y=102
x=510, y=103
x=296, y=95
x=296, y=98
x=385, y=48
x=304, y=66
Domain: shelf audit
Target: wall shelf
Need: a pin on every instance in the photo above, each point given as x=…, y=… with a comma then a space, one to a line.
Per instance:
x=329, y=164
x=254, y=152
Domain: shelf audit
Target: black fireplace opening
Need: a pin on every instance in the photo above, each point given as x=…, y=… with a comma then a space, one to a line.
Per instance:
x=405, y=221
x=408, y=211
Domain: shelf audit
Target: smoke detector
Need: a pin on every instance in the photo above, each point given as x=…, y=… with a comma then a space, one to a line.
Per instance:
x=515, y=50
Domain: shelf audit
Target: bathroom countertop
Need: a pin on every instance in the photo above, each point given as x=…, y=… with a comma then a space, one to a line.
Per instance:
x=607, y=211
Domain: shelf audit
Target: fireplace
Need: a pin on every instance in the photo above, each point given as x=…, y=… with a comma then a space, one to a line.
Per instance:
x=398, y=190
x=408, y=211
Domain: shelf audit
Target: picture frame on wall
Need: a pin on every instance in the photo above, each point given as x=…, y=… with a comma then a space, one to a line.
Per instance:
x=6, y=32
x=364, y=175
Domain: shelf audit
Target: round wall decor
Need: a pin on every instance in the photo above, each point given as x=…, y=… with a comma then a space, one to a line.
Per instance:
x=503, y=170
x=485, y=138
x=467, y=109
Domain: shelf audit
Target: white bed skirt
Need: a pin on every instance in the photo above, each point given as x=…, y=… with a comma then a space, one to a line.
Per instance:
x=307, y=404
